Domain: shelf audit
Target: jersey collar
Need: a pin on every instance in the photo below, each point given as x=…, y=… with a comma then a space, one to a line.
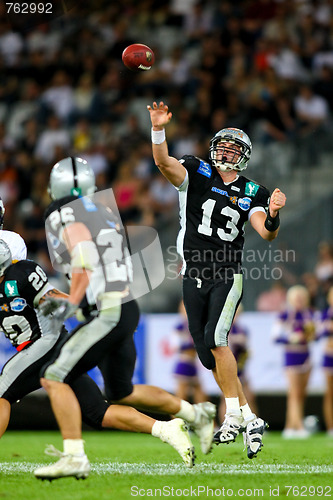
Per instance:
x=234, y=180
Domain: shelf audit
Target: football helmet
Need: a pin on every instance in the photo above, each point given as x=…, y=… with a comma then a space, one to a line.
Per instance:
x=2, y=213
x=5, y=257
x=226, y=158
x=71, y=176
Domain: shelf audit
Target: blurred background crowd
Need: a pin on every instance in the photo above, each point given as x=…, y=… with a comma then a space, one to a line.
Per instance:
x=265, y=66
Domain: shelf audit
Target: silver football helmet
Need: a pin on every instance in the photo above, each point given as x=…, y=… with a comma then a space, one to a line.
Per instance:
x=228, y=157
x=71, y=176
x=5, y=257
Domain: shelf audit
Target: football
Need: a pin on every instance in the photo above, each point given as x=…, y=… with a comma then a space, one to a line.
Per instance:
x=138, y=57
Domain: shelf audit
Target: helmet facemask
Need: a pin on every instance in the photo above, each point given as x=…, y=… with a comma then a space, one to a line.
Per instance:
x=230, y=149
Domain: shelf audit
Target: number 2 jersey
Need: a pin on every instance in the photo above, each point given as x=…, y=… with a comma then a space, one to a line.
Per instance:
x=213, y=215
x=113, y=271
x=21, y=289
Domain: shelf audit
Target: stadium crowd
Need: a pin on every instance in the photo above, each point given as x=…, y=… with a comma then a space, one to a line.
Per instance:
x=261, y=65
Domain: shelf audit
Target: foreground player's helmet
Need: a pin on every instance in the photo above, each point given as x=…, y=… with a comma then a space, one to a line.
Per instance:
x=2, y=213
x=220, y=155
x=5, y=257
x=71, y=176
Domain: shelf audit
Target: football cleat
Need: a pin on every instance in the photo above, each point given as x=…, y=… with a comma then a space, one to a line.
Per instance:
x=253, y=436
x=175, y=433
x=68, y=466
x=203, y=424
x=229, y=430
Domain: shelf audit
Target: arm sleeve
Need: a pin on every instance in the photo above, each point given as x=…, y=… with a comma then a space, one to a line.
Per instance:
x=260, y=202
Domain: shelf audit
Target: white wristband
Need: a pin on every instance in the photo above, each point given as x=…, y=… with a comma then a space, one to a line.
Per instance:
x=157, y=136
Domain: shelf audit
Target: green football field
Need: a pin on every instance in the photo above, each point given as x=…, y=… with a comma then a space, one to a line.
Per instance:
x=126, y=466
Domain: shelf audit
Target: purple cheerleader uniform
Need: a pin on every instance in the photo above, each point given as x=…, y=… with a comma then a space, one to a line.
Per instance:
x=295, y=329
x=185, y=366
x=325, y=319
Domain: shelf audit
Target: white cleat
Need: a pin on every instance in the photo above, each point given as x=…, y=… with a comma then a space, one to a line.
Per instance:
x=203, y=424
x=229, y=430
x=68, y=466
x=253, y=436
x=175, y=433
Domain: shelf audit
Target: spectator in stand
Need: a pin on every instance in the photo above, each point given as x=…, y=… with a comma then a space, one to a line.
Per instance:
x=323, y=84
x=59, y=98
x=312, y=284
x=279, y=118
x=295, y=329
x=127, y=190
x=55, y=135
x=312, y=114
x=324, y=266
x=326, y=331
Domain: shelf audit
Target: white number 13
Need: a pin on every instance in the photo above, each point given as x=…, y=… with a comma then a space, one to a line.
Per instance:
x=205, y=227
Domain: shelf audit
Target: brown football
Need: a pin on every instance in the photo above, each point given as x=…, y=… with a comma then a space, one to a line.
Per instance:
x=138, y=57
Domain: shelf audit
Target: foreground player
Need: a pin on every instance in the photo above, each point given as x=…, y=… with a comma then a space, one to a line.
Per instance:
x=106, y=338
x=24, y=287
x=215, y=204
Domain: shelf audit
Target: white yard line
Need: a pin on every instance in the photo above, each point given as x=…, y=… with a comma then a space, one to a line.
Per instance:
x=102, y=468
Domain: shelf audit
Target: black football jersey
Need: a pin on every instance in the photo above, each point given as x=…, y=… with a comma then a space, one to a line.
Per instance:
x=213, y=215
x=114, y=268
x=23, y=285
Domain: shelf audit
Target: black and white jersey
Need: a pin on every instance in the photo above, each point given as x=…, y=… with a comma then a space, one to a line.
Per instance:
x=113, y=272
x=213, y=215
x=23, y=284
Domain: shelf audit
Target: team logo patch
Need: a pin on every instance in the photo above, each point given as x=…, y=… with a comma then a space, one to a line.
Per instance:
x=244, y=203
x=18, y=304
x=11, y=288
x=76, y=191
x=220, y=191
x=251, y=188
x=205, y=169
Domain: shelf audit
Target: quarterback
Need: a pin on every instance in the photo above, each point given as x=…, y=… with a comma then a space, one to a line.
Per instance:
x=215, y=203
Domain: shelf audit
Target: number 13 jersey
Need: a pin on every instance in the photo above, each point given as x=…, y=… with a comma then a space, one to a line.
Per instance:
x=213, y=215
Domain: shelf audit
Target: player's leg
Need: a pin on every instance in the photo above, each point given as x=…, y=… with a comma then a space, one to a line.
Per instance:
x=117, y=369
x=99, y=414
x=221, y=299
x=20, y=375
x=79, y=353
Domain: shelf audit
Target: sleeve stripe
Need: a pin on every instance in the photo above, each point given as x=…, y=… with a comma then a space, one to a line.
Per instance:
x=184, y=184
x=256, y=209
